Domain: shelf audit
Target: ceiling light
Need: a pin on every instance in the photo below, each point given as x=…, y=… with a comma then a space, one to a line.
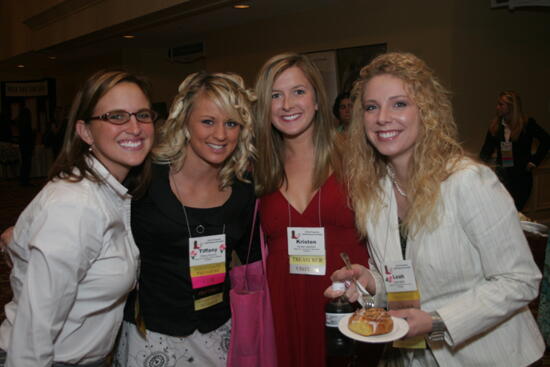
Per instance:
x=241, y=6
x=128, y=36
x=20, y=66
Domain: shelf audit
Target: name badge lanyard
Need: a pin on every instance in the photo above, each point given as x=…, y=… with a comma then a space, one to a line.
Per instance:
x=506, y=151
x=306, y=246
x=207, y=259
x=401, y=287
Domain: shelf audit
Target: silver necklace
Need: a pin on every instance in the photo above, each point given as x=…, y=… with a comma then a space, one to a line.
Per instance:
x=199, y=228
x=391, y=173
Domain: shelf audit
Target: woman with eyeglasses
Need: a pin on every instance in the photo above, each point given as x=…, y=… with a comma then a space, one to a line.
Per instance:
x=196, y=211
x=73, y=258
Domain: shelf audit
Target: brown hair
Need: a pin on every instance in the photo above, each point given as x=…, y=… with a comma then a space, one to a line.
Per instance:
x=269, y=171
x=75, y=151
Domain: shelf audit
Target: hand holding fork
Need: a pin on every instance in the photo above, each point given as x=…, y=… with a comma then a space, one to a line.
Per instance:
x=365, y=298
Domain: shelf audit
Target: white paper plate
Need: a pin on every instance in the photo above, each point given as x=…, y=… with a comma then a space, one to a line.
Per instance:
x=400, y=329
x=534, y=227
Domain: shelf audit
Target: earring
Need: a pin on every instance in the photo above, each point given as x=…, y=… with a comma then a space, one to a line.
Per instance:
x=90, y=149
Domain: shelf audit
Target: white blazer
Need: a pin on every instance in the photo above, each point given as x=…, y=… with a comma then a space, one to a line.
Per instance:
x=475, y=269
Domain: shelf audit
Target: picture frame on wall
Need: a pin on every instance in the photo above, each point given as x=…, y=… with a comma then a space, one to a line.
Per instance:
x=340, y=67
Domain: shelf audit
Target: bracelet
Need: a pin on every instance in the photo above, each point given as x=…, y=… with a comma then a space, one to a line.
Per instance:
x=438, y=328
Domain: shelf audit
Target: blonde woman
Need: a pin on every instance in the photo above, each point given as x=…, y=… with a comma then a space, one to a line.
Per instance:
x=297, y=176
x=427, y=208
x=511, y=136
x=197, y=210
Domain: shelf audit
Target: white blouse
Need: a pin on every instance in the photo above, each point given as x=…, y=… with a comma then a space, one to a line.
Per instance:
x=74, y=263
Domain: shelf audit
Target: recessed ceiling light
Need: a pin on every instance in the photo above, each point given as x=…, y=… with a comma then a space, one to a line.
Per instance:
x=241, y=6
x=128, y=36
x=20, y=66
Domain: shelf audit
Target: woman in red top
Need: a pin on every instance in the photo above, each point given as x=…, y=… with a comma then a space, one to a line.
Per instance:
x=304, y=208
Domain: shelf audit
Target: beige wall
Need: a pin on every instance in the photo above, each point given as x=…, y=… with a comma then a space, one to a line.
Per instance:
x=476, y=51
x=356, y=23
x=495, y=50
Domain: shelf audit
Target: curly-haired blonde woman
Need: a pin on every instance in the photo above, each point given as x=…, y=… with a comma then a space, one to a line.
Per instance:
x=511, y=136
x=428, y=209
x=198, y=208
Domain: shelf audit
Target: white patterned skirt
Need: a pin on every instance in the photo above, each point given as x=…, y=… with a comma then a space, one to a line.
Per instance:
x=159, y=350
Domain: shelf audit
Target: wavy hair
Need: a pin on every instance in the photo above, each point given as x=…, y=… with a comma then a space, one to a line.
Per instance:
x=435, y=155
x=75, y=151
x=228, y=92
x=517, y=118
x=269, y=173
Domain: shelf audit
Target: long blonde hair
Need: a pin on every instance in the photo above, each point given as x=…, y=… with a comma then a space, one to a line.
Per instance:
x=228, y=92
x=269, y=173
x=517, y=118
x=435, y=155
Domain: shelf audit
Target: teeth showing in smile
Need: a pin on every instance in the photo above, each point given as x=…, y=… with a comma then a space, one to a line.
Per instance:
x=132, y=144
x=213, y=146
x=291, y=117
x=387, y=134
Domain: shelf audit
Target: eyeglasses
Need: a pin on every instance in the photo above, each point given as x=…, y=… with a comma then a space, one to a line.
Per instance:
x=144, y=116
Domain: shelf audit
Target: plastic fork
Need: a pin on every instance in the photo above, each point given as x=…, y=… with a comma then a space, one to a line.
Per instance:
x=365, y=299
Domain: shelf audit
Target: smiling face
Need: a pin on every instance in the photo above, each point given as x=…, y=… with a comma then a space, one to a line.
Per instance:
x=293, y=103
x=119, y=147
x=214, y=134
x=391, y=118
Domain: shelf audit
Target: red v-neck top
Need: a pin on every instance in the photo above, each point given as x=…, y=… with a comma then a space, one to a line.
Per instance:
x=297, y=300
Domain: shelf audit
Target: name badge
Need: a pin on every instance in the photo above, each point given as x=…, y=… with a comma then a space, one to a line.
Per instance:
x=306, y=250
x=207, y=260
x=403, y=293
x=507, y=154
x=399, y=276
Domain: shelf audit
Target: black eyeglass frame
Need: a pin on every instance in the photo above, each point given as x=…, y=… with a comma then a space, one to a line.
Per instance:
x=105, y=116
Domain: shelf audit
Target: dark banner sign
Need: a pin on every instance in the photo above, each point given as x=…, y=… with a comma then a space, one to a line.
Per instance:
x=26, y=89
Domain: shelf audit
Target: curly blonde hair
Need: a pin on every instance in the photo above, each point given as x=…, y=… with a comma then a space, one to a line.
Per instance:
x=436, y=152
x=228, y=92
x=269, y=173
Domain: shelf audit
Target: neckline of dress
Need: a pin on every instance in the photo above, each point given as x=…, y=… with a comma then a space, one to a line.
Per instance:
x=310, y=201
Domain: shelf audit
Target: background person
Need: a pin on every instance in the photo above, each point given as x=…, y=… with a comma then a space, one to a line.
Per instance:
x=199, y=189
x=298, y=177
x=511, y=135
x=342, y=110
x=422, y=204
x=73, y=261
